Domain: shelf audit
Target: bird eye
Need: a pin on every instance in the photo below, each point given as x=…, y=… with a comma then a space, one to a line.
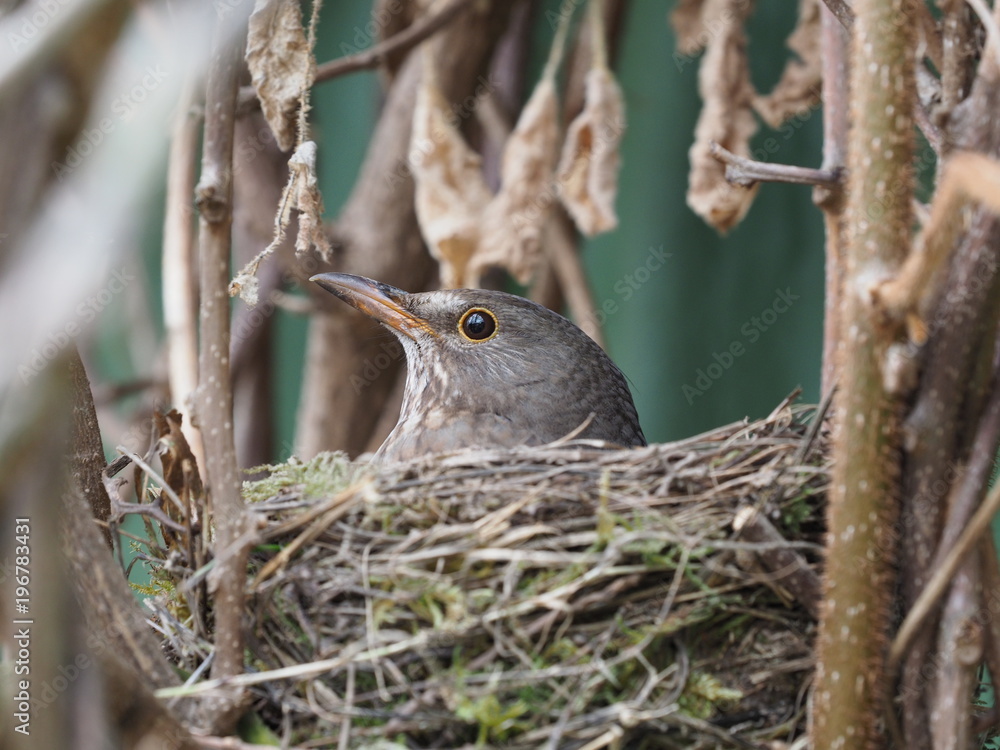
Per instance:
x=478, y=324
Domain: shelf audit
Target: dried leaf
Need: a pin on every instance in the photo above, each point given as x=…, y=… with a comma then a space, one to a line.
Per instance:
x=281, y=64
x=797, y=93
x=451, y=193
x=687, y=18
x=180, y=471
x=300, y=193
x=726, y=117
x=514, y=219
x=587, y=178
x=307, y=199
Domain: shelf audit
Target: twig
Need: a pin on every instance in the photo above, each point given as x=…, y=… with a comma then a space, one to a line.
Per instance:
x=747, y=172
x=376, y=54
x=966, y=177
x=835, y=55
x=842, y=11
x=214, y=397
x=788, y=566
x=138, y=461
x=404, y=40
x=941, y=577
x=180, y=307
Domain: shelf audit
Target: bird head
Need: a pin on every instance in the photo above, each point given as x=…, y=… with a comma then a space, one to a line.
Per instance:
x=490, y=369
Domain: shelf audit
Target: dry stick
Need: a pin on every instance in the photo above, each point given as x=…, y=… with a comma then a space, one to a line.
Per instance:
x=214, y=398
x=748, y=172
x=179, y=291
x=836, y=61
x=966, y=177
x=850, y=696
x=404, y=40
x=959, y=534
x=789, y=568
x=943, y=574
x=88, y=452
x=842, y=12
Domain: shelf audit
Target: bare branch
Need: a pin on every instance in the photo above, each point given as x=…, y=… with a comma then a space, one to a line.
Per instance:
x=748, y=172
x=214, y=397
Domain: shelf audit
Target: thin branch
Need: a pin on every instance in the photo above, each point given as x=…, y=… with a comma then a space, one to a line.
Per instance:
x=850, y=692
x=404, y=40
x=214, y=397
x=748, y=172
x=180, y=305
x=789, y=568
x=938, y=584
x=967, y=177
x=377, y=54
x=842, y=11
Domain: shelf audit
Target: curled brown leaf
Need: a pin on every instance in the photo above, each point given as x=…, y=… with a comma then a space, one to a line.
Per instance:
x=515, y=217
x=798, y=91
x=450, y=192
x=281, y=64
x=587, y=177
x=726, y=117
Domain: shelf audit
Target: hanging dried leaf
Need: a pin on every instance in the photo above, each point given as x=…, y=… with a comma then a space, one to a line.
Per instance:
x=587, y=177
x=307, y=199
x=300, y=193
x=451, y=193
x=798, y=91
x=687, y=19
x=514, y=219
x=281, y=64
x=726, y=118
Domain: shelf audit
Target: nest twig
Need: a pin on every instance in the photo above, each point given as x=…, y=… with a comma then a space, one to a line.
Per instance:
x=562, y=597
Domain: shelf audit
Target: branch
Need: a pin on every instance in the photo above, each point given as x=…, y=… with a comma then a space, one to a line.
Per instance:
x=967, y=177
x=404, y=40
x=214, y=397
x=938, y=584
x=748, y=172
x=960, y=533
x=180, y=307
x=842, y=12
x=789, y=567
x=850, y=695
x=376, y=54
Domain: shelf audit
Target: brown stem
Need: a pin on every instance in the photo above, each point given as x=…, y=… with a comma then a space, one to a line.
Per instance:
x=790, y=568
x=180, y=303
x=88, y=450
x=836, y=46
x=851, y=691
x=404, y=40
x=962, y=517
x=748, y=172
x=564, y=255
x=842, y=11
x=214, y=398
x=979, y=524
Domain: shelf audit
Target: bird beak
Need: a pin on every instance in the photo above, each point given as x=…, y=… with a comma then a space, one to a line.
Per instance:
x=382, y=302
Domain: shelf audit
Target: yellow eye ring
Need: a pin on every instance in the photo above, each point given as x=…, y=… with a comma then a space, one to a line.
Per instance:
x=478, y=324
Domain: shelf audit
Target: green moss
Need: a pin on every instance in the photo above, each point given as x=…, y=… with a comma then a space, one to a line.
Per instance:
x=703, y=695
x=322, y=476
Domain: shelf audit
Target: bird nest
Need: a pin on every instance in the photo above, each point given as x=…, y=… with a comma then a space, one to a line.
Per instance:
x=563, y=597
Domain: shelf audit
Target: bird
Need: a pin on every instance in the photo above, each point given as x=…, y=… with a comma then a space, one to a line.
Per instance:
x=486, y=369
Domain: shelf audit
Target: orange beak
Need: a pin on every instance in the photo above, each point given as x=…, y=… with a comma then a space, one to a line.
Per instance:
x=384, y=303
